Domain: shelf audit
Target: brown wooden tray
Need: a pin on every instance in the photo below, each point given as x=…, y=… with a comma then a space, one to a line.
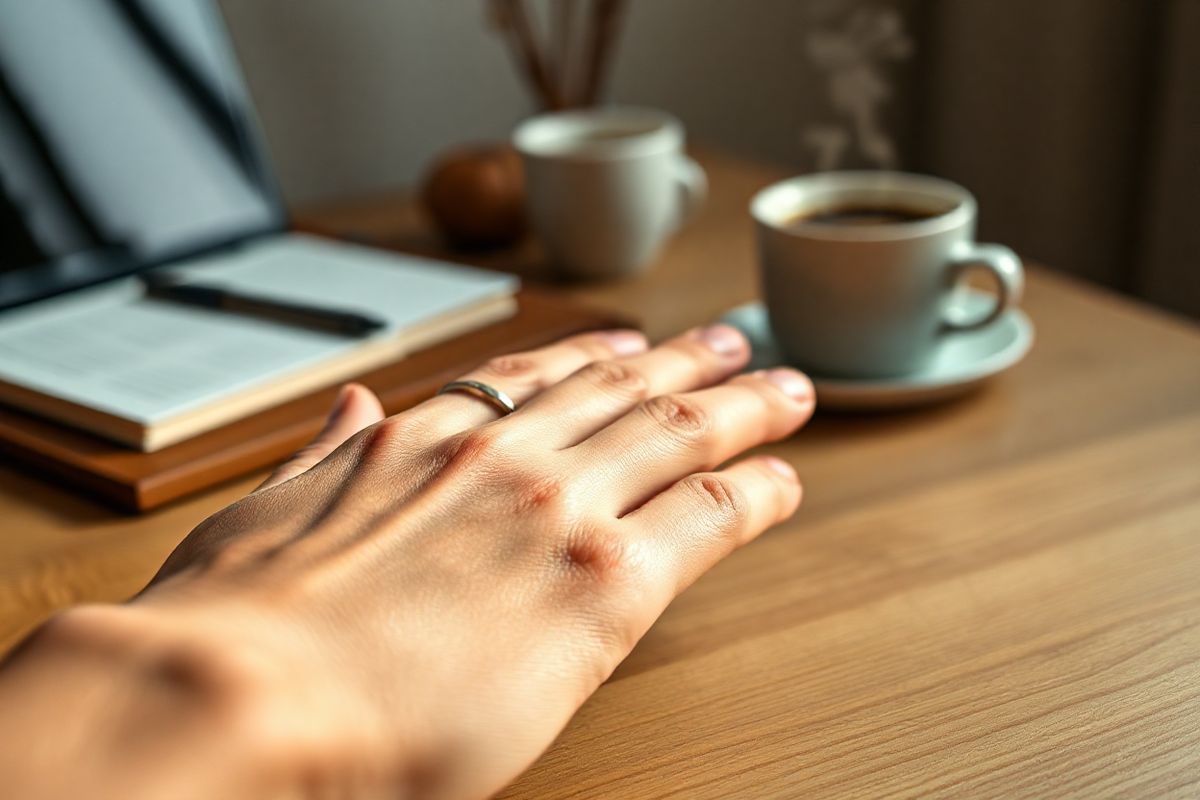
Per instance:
x=136, y=481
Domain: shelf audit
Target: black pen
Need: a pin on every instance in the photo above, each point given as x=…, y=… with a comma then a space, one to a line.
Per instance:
x=329, y=320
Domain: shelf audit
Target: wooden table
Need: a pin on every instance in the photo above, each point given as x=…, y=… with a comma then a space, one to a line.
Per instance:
x=999, y=596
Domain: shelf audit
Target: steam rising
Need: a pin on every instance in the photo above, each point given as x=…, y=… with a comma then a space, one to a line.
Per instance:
x=852, y=45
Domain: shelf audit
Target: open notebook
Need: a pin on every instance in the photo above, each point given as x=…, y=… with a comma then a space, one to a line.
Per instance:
x=149, y=373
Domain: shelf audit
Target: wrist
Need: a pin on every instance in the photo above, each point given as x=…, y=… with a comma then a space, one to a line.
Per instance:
x=141, y=710
x=296, y=709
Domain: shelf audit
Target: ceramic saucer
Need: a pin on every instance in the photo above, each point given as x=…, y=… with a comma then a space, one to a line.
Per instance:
x=962, y=361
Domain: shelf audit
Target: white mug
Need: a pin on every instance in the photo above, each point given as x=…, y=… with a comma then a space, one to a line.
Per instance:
x=607, y=186
x=859, y=269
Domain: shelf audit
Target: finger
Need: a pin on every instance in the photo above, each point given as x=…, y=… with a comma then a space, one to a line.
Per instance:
x=602, y=391
x=701, y=518
x=670, y=436
x=521, y=376
x=356, y=408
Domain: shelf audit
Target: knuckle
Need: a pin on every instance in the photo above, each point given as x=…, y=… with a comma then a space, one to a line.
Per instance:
x=616, y=376
x=472, y=450
x=679, y=415
x=599, y=555
x=723, y=498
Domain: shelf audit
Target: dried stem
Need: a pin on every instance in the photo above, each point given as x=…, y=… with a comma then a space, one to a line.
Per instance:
x=562, y=22
x=548, y=70
x=606, y=22
x=511, y=16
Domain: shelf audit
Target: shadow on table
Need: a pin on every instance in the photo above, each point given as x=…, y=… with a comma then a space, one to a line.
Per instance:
x=839, y=423
x=70, y=506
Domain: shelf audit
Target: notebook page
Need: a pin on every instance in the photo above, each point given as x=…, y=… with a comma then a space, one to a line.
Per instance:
x=145, y=360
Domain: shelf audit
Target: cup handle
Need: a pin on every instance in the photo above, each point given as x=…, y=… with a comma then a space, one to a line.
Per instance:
x=693, y=187
x=1004, y=267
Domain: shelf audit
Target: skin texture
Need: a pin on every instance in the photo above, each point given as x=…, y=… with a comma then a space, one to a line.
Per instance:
x=415, y=606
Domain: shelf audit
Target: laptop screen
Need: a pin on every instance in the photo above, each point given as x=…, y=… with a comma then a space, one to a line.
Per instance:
x=126, y=140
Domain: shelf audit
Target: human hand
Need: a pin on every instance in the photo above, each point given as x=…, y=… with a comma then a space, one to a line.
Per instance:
x=418, y=604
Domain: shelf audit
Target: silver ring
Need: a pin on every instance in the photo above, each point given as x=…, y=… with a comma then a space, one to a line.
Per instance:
x=490, y=394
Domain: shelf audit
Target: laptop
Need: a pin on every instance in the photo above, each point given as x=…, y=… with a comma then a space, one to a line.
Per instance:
x=128, y=143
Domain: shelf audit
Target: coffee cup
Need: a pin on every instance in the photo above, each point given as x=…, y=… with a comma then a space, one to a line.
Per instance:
x=605, y=187
x=859, y=270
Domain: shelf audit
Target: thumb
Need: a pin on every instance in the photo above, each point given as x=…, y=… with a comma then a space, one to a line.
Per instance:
x=356, y=408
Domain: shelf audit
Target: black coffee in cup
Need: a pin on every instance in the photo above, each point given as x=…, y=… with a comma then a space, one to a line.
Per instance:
x=860, y=214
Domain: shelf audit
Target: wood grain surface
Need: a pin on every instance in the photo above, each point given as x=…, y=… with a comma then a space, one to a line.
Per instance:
x=995, y=597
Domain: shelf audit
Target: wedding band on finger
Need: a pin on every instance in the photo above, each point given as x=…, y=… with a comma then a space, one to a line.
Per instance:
x=489, y=394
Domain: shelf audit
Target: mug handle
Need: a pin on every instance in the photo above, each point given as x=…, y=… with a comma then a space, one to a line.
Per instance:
x=1004, y=267
x=693, y=187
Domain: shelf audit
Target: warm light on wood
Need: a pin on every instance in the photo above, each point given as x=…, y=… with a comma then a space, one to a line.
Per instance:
x=996, y=597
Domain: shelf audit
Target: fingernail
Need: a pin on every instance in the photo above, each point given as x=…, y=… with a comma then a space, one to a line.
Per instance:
x=722, y=339
x=625, y=343
x=791, y=383
x=780, y=466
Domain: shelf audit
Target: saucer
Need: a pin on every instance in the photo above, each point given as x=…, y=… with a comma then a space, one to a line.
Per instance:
x=962, y=361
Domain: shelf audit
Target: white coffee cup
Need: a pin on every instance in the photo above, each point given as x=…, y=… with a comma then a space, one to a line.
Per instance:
x=607, y=186
x=859, y=269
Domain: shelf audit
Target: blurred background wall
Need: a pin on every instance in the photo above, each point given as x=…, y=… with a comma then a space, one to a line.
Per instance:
x=1076, y=122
